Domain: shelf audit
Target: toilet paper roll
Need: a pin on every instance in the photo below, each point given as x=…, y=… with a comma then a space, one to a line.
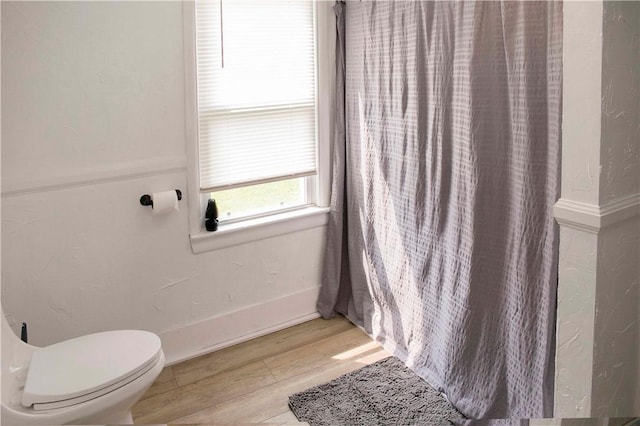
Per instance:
x=164, y=202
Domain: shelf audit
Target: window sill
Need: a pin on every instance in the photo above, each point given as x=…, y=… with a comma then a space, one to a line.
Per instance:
x=257, y=229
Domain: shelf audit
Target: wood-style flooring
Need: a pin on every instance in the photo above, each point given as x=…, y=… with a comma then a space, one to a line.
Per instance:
x=251, y=382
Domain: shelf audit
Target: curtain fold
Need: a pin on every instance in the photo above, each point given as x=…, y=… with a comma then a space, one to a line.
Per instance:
x=441, y=239
x=344, y=289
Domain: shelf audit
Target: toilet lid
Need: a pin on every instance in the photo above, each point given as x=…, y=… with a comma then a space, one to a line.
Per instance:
x=89, y=366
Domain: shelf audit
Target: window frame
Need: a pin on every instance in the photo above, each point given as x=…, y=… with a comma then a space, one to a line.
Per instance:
x=249, y=229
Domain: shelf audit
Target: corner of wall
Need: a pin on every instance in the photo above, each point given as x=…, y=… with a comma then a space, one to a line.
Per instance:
x=598, y=326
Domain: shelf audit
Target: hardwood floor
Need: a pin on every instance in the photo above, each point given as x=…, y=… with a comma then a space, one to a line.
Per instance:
x=251, y=382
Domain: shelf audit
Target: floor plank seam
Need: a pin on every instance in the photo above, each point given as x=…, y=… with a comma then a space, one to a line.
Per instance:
x=273, y=376
x=270, y=371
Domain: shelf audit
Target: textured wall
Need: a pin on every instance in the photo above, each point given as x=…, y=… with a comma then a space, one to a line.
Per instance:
x=90, y=258
x=581, y=88
x=91, y=91
x=580, y=183
x=616, y=378
x=620, y=151
x=574, y=330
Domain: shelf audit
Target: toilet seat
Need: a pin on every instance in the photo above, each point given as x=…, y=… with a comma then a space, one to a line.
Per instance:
x=80, y=369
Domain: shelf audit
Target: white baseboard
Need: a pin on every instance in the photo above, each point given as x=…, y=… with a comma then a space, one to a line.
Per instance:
x=236, y=327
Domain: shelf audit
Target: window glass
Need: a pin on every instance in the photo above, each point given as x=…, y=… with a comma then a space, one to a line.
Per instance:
x=259, y=199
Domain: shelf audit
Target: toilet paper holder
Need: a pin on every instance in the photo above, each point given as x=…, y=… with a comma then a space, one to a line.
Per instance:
x=146, y=199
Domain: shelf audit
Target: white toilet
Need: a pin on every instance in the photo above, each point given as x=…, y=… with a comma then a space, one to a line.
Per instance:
x=93, y=379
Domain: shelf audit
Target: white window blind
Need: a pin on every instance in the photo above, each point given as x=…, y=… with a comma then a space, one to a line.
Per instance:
x=256, y=91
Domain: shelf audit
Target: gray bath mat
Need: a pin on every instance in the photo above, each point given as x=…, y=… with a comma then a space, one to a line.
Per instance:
x=383, y=393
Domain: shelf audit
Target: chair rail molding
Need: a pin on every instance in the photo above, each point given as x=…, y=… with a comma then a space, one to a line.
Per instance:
x=111, y=173
x=592, y=218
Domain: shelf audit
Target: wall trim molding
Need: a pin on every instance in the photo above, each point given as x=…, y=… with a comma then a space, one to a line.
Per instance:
x=592, y=218
x=239, y=326
x=111, y=173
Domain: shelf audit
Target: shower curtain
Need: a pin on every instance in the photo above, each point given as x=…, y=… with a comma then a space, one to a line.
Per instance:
x=441, y=239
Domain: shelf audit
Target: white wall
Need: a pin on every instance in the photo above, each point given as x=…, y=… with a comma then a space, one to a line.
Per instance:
x=620, y=117
x=598, y=328
x=617, y=341
x=93, y=117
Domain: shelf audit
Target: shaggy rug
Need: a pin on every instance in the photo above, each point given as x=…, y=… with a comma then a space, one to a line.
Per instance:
x=383, y=393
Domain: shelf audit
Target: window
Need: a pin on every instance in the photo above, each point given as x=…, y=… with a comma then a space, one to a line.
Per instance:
x=256, y=100
x=258, y=116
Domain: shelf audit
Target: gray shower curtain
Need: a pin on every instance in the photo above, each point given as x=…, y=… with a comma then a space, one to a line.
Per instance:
x=441, y=239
